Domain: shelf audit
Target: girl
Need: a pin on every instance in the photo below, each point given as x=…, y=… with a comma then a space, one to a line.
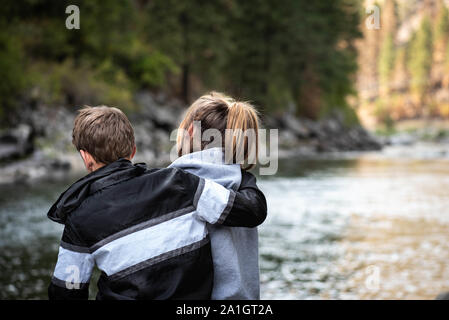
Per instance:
x=227, y=149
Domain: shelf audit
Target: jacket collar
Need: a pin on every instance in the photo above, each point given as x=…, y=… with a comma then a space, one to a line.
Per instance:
x=210, y=164
x=104, y=177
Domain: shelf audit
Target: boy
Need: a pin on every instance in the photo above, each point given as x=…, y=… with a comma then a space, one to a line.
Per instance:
x=145, y=229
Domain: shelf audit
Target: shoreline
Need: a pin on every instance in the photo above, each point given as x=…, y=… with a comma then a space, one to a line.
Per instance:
x=40, y=145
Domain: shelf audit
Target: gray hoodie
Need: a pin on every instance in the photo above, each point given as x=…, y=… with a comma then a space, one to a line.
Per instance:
x=235, y=251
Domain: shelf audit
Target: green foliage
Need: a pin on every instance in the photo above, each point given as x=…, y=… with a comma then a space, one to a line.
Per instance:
x=149, y=70
x=442, y=24
x=303, y=47
x=387, y=57
x=417, y=66
x=383, y=114
x=293, y=52
x=446, y=62
x=75, y=85
x=12, y=75
x=420, y=61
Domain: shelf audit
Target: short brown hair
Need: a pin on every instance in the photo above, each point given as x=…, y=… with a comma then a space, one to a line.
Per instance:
x=104, y=132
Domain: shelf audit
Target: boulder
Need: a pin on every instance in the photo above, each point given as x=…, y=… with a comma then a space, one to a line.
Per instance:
x=295, y=125
x=16, y=142
x=165, y=116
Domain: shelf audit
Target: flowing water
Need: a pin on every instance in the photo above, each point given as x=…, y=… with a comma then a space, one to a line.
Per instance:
x=352, y=226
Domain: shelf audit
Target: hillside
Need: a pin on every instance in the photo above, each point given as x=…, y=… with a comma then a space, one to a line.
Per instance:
x=404, y=66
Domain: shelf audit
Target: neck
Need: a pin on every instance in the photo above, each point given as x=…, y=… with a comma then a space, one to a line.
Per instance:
x=95, y=166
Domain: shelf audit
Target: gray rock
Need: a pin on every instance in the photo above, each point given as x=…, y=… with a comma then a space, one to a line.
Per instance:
x=272, y=122
x=164, y=116
x=287, y=139
x=295, y=126
x=443, y=296
x=331, y=126
x=312, y=126
x=328, y=135
x=143, y=133
x=16, y=142
x=50, y=130
x=402, y=139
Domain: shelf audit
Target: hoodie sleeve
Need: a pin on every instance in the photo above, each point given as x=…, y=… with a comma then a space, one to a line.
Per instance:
x=249, y=208
x=246, y=207
x=73, y=269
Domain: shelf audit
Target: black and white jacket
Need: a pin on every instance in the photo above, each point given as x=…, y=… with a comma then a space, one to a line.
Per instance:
x=145, y=229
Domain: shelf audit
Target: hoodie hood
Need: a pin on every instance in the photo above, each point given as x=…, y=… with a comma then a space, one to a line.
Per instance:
x=108, y=175
x=210, y=164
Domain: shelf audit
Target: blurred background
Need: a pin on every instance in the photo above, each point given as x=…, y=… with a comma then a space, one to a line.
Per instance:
x=359, y=91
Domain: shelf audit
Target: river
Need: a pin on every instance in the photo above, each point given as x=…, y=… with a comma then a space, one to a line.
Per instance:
x=348, y=226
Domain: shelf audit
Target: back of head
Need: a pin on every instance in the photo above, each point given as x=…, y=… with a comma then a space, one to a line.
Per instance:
x=236, y=121
x=104, y=132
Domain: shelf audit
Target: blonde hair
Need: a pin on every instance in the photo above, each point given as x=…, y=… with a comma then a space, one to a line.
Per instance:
x=235, y=120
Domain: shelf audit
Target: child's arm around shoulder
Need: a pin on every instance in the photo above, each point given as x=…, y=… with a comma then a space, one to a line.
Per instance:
x=246, y=207
x=250, y=206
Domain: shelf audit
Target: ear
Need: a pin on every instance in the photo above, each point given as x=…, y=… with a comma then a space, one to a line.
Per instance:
x=133, y=153
x=84, y=155
x=190, y=130
x=88, y=160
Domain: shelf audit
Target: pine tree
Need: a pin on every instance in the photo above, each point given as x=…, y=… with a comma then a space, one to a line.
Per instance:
x=441, y=32
x=386, y=62
x=275, y=53
x=442, y=23
x=420, y=61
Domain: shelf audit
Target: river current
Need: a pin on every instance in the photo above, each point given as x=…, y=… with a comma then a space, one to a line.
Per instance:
x=348, y=226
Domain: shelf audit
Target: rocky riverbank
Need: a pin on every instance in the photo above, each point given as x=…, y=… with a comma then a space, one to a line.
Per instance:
x=39, y=144
x=298, y=136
